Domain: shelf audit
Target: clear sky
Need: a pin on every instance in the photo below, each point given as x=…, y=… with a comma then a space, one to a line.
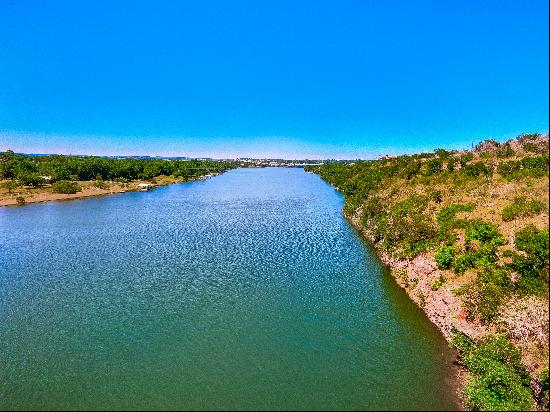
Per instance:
x=317, y=79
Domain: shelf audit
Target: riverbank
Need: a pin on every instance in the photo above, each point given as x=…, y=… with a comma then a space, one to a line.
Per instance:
x=45, y=193
x=466, y=235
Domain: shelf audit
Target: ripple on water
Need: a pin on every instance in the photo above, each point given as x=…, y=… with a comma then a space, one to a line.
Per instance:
x=245, y=291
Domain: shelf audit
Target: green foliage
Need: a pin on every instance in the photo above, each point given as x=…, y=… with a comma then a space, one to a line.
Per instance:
x=10, y=185
x=543, y=377
x=533, y=264
x=462, y=343
x=465, y=158
x=29, y=179
x=483, y=301
x=445, y=257
x=436, y=196
x=20, y=200
x=463, y=262
x=434, y=166
x=65, y=186
x=372, y=209
x=476, y=169
x=522, y=206
x=451, y=162
x=411, y=229
x=101, y=184
x=499, y=381
x=28, y=169
x=446, y=216
x=526, y=167
x=484, y=232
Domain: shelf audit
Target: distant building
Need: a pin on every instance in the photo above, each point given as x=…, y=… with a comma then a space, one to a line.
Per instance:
x=144, y=186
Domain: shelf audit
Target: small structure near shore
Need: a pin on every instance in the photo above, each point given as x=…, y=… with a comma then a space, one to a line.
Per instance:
x=144, y=186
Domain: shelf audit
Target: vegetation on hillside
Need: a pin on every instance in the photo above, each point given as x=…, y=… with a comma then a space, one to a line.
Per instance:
x=482, y=216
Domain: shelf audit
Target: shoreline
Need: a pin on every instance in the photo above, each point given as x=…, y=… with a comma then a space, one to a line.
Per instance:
x=443, y=322
x=441, y=307
x=43, y=194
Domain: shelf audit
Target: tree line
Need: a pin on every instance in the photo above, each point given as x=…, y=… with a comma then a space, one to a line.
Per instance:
x=31, y=170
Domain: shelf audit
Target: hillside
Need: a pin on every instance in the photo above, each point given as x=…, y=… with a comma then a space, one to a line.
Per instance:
x=466, y=234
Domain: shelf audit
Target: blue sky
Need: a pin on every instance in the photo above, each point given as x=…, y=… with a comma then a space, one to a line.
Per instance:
x=317, y=79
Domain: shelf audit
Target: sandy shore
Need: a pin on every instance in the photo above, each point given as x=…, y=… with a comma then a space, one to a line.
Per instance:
x=45, y=194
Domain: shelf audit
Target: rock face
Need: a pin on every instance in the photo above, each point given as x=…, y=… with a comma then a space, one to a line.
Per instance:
x=422, y=281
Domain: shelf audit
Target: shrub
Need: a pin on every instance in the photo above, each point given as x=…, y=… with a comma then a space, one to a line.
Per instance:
x=499, y=381
x=505, y=150
x=536, y=166
x=372, y=208
x=543, y=377
x=30, y=179
x=20, y=200
x=445, y=257
x=101, y=184
x=533, y=265
x=10, y=185
x=462, y=343
x=64, y=186
x=436, y=196
x=446, y=216
x=522, y=207
x=484, y=232
x=465, y=158
x=483, y=301
x=464, y=262
x=451, y=164
x=434, y=166
x=476, y=169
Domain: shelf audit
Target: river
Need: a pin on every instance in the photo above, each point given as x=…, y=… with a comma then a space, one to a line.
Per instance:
x=245, y=291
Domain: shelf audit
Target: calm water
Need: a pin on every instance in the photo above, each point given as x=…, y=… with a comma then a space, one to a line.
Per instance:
x=246, y=291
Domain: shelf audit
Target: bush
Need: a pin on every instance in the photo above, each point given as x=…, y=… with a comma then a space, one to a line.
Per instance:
x=434, y=166
x=543, y=377
x=522, y=207
x=66, y=187
x=505, y=150
x=528, y=166
x=451, y=164
x=476, y=169
x=446, y=216
x=533, y=265
x=436, y=196
x=485, y=232
x=464, y=262
x=372, y=208
x=101, y=184
x=445, y=257
x=483, y=301
x=499, y=381
x=465, y=158
x=20, y=200
x=10, y=185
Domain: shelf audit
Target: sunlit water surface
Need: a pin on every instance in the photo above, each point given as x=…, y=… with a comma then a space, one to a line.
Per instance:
x=246, y=291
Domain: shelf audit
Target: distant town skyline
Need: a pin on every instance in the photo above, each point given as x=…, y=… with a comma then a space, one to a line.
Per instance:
x=309, y=79
x=43, y=145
